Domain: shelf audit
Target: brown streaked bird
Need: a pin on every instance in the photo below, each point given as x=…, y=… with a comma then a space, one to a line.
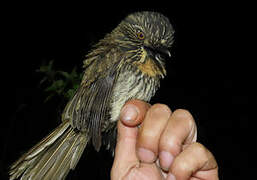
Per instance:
x=127, y=63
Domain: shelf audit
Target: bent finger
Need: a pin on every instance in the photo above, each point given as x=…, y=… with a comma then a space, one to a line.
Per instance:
x=179, y=132
x=150, y=131
x=195, y=161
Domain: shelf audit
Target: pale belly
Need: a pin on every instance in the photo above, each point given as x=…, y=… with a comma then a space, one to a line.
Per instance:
x=131, y=85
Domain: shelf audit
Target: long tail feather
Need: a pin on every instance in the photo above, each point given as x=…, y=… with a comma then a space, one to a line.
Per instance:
x=53, y=157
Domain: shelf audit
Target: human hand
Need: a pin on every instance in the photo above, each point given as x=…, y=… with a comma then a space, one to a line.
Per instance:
x=164, y=147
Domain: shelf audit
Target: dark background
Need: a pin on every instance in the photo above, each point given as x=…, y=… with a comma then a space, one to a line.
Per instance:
x=211, y=74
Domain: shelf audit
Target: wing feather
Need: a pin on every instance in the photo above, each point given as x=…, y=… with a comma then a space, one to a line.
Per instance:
x=89, y=107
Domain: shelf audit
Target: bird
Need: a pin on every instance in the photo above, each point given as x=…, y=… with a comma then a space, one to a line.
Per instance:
x=128, y=63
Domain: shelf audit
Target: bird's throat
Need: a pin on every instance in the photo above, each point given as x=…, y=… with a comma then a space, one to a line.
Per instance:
x=149, y=66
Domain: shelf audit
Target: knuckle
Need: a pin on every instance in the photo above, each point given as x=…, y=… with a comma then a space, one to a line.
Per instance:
x=181, y=167
x=183, y=113
x=186, y=116
x=163, y=108
x=200, y=149
x=207, y=158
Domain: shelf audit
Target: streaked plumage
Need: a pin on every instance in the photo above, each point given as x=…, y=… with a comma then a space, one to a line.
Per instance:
x=127, y=64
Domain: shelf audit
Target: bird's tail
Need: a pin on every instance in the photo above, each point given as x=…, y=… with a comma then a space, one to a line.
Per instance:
x=53, y=157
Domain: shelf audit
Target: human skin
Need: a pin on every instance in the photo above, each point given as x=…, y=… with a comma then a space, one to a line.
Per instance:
x=163, y=146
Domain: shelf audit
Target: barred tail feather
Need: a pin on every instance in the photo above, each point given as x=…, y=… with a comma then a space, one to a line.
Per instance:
x=53, y=157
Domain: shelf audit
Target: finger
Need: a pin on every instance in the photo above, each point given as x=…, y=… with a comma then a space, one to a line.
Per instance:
x=125, y=153
x=195, y=161
x=133, y=112
x=180, y=131
x=150, y=131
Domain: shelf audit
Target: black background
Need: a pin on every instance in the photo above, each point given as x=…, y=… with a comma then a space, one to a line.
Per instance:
x=210, y=74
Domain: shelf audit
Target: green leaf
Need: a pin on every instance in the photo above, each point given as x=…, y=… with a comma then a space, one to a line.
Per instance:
x=64, y=74
x=55, y=86
x=59, y=83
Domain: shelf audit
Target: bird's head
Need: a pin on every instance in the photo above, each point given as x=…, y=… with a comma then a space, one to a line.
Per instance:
x=150, y=32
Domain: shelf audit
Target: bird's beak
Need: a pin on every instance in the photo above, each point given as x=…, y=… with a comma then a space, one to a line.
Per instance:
x=159, y=53
x=163, y=52
x=167, y=52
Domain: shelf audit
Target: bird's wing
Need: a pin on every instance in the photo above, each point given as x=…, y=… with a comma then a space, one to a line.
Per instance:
x=89, y=107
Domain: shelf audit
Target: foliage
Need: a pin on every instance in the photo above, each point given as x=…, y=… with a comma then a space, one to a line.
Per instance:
x=59, y=83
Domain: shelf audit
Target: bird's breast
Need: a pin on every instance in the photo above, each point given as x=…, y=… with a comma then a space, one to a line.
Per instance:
x=131, y=84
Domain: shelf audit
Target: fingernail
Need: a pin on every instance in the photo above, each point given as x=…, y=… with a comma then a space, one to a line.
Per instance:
x=166, y=159
x=146, y=155
x=129, y=112
x=171, y=177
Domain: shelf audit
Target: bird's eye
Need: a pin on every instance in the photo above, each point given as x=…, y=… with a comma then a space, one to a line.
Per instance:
x=140, y=35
